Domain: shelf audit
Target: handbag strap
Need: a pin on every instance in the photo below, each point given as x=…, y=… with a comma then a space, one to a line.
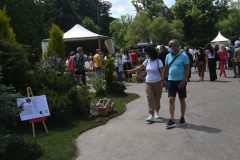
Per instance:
x=173, y=60
x=159, y=68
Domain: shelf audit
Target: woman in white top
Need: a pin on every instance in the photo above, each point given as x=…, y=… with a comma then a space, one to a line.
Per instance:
x=154, y=82
x=212, y=62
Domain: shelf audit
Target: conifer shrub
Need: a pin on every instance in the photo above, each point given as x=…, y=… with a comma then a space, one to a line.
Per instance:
x=98, y=84
x=12, y=146
x=15, y=65
x=112, y=86
x=19, y=149
x=6, y=31
x=65, y=100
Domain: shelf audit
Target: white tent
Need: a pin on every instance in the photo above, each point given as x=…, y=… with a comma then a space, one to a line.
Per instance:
x=220, y=40
x=79, y=33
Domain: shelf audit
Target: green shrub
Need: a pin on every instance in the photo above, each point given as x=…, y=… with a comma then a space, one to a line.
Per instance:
x=80, y=102
x=15, y=148
x=56, y=43
x=112, y=87
x=65, y=101
x=116, y=88
x=15, y=65
x=6, y=31
x=109, y=70
x=98, y=84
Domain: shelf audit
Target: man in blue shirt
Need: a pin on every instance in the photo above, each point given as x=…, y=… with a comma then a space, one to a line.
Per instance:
x=178, y=68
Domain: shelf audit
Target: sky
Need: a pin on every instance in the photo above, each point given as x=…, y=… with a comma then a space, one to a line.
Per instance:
x=123, y=7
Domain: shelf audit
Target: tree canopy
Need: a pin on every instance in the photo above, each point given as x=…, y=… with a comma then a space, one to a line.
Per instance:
x=38, y=15
x=199, y=18
x=6, y=31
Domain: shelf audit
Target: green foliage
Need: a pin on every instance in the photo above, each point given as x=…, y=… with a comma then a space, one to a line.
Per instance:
x=139, y=28
x=56, y=44
x=80, y=102
x=14, y=147
x=162, y=30
x=230, y=25
x=199, y=18
x=118, y=28
x=154, y=8
x=64, y=100
x=98, y=84
x=31, y=19
x=27, y=21
x=8, y=108
x=112, y=87
x=6, y=32
x=116, y=88
x=15, y=65
x=89, y=24
x=108, y=71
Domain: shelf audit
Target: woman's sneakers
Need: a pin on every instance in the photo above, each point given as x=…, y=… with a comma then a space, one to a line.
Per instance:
x=156, y=115
x=150, y=119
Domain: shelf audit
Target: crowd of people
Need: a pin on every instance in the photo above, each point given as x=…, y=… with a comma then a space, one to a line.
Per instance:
x=169, y=67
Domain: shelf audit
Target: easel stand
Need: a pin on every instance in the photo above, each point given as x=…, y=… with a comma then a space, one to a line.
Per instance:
x=35, y=120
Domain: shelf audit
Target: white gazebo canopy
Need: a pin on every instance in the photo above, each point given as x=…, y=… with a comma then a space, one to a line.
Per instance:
x=220, y=39
x=78, y=33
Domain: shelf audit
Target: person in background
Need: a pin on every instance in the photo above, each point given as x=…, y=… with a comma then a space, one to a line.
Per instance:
x=154, y=82
x=237, y=45
x=163, y=51
x=222, y=53
x=177, y=67
x=78, y=63
x=211, y=55
x=69, y=63
x=237, y=61
x=133, y=58
x=97, y=62
x=126, y=65
x=118, y=66
x=190, y=57
x=201, y=63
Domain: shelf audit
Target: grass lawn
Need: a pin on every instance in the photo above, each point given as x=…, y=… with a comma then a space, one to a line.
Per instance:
x=59, y=143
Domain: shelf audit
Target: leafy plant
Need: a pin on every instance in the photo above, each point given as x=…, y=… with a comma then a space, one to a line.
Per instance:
x=109, y=70
x=56, y=44
x=98, y=84
x=65, y=100
x=6, y=32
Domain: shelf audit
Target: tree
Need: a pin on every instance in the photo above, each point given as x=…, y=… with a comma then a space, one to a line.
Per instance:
x=38, y=15
x=27, y=20
x=199, y=18
x=154, y=8
x=13, y=59
x=89, y=24
x=138, y=29
x=162, y=30
x=6, y=31
x=8, y=108
x=118, y=28
x=56, y=43
x=230, y=25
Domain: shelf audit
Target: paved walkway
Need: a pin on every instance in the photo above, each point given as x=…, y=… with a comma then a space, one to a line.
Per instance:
x=212, y=132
